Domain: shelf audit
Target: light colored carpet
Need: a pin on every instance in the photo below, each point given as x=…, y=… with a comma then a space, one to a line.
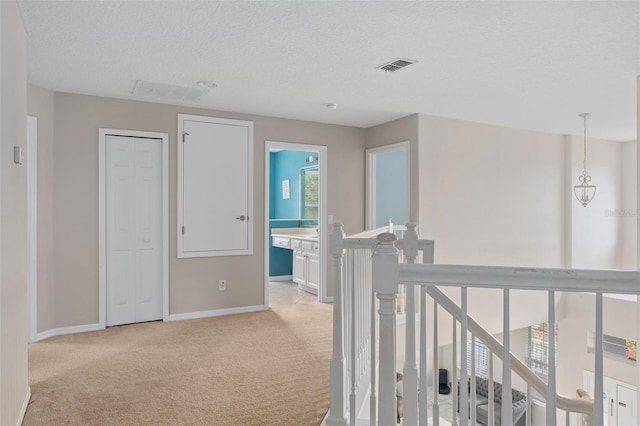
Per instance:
x=264, y=368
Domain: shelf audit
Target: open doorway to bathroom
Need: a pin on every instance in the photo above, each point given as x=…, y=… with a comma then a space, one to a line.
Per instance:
x=295, y=224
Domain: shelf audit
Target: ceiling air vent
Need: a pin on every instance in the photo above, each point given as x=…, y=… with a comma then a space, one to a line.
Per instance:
x=167, y=91
x=396, y=64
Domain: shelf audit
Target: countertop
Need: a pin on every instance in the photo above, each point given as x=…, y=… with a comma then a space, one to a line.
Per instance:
x=304, y=234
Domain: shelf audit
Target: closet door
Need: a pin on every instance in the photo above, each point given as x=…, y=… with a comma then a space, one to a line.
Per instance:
x=133, y=229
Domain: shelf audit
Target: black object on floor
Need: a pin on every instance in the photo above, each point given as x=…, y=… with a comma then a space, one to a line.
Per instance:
x=444, y=386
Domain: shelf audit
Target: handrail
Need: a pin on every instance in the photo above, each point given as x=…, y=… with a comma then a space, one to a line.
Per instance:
x=563, y=402
x=546, y=279
x=370, y=233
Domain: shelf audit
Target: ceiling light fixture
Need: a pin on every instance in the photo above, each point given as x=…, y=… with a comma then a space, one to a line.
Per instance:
x=584, y=192
x=332, y=106
x=206, y=83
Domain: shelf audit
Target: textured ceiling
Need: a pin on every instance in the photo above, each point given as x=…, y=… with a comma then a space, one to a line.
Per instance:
x=532, y=65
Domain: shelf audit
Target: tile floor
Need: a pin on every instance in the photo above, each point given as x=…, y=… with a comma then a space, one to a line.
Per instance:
x=288, y=293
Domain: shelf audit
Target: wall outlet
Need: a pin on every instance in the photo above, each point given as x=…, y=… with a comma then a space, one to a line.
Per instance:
x=222, y=285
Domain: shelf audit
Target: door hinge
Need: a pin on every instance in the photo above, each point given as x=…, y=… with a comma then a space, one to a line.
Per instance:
x=184, y=135
x=183, y=230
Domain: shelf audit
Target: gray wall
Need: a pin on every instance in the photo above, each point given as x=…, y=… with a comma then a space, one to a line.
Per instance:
x=75, y=202
x=40, y=105
x=13, y=213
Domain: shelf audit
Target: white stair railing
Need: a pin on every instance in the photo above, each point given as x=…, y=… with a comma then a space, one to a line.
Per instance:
x=355, y=324
x=379, y=260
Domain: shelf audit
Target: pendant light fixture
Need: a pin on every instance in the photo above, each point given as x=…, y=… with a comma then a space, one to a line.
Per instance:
x=584, y=192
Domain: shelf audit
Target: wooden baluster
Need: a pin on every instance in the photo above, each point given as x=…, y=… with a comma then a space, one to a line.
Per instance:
x=551, y=362
x=567, y=418
x=454, y=375
x=472, y=414
x=507, y=400
x=422, y=411
x=436, y=368
x=385, y=284
x=598, y=409
x=464, y=358
x=528, y=412
x=337, y=368
x=373, y=398
x=492, y=408
x=410, y=370
x=353, y=337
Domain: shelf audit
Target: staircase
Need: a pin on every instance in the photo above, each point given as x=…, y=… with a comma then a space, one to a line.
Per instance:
x=370, y=271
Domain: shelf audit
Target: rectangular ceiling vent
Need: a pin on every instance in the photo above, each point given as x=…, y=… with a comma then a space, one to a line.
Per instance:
x=396, y=64
x=168, y=91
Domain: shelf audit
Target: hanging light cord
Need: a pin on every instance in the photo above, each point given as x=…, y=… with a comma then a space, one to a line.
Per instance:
x=584, y=161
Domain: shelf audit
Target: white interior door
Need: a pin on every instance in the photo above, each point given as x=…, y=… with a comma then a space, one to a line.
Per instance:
x=627, y=413
x=133, y=229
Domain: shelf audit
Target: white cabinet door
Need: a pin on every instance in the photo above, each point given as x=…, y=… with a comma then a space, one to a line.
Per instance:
x=215, y=197
x=313, y=271
x=133, y=229
x=299, y=267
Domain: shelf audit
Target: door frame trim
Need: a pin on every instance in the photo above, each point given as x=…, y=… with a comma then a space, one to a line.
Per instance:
x=32, y=225
x=322, y=213
x=102, y=205
x=370, y=177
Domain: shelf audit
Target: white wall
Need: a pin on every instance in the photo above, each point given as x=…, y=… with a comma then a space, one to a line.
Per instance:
x=491, y=195
x=597, y=235
x=14, y=388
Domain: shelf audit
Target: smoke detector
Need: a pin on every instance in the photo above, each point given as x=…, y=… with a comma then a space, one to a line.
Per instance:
x=397, y=64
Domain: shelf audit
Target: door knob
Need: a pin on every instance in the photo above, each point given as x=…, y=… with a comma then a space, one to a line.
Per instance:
x=242, y=218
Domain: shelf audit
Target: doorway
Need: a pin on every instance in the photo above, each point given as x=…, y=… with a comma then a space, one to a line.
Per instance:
x=388, y=185
x=295, y=220
x=133, y=226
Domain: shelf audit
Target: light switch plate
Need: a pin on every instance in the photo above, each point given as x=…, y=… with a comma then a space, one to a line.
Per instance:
x=18, y=155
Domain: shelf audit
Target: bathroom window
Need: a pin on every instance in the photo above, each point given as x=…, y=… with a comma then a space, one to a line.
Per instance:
x=309, y=189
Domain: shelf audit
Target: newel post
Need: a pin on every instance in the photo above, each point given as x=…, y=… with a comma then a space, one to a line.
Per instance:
x=385, y=285
x=337, y=366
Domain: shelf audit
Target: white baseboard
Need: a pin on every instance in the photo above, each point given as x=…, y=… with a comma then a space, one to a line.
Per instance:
x=23, y=409
x=216, y=313
x=68, y=330
x=281, y=278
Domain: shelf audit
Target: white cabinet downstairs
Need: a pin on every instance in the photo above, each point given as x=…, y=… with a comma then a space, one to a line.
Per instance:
x=306, y=267
x=305, y=251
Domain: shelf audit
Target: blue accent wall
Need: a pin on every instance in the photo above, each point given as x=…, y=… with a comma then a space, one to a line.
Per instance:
x=285, y=213
x=286, y=165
